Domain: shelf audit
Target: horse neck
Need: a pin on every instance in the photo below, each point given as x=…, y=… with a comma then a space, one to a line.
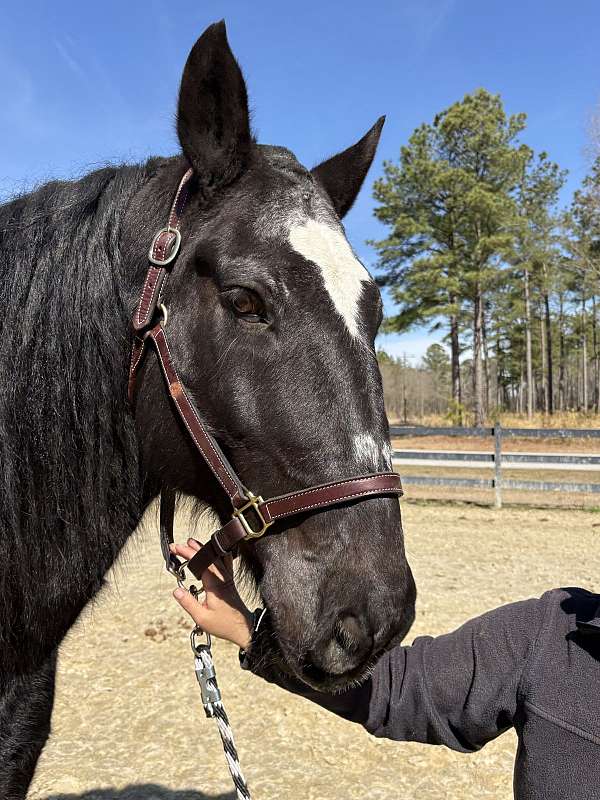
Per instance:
x=67, y=441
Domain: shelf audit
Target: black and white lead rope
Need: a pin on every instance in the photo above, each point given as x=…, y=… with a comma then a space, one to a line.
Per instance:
x=213, y=707
x=207, y=679
x=212, y=700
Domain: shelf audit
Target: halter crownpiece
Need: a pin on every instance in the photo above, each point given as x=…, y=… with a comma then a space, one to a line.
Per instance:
x=251, y=515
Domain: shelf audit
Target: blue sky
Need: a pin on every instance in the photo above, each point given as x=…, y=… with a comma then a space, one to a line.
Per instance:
x=84, y=84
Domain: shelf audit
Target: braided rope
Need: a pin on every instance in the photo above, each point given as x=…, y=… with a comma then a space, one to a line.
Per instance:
x=204, y=663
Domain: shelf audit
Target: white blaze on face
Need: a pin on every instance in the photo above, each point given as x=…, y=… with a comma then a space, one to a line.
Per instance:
x=343, y=274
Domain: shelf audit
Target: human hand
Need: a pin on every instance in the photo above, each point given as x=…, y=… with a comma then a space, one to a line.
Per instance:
x=221, y=611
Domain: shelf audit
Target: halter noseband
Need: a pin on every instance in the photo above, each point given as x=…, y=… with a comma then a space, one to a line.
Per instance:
x=251, y=515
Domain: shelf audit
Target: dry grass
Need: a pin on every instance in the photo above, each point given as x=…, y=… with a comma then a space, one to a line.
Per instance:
x=554, y=476
x=511, y=498
x=486, y=444
x=561, y=419
x=128, y=723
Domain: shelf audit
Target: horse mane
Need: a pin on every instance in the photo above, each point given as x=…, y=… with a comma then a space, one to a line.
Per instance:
x=70, y=483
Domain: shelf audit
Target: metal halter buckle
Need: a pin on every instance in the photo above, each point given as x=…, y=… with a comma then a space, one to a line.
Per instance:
x=253, y=502
x=176, y=568
x=162, y=262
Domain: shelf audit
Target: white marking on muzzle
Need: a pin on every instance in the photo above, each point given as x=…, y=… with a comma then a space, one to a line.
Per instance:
x=343, y=274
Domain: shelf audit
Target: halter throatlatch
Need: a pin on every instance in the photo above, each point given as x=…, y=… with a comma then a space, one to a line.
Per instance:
x=251, y=515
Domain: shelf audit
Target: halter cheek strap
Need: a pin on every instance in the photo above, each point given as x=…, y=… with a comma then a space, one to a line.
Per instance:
x=251, y=515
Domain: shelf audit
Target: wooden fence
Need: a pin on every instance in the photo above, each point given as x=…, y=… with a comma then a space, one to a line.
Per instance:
x=497, y=459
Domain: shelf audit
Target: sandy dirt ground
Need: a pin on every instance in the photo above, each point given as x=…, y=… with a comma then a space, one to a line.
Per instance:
x=128, y=724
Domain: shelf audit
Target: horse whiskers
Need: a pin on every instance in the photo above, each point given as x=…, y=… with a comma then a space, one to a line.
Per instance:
x=223, y=355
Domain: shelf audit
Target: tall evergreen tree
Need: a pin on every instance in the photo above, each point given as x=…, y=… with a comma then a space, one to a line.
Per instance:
x=536, y=259
x=583, y=247
x=452, y=216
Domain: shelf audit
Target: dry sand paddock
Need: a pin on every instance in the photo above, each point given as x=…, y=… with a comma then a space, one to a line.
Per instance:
x=128, y=724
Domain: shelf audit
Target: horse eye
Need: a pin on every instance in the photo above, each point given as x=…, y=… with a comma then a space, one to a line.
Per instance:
x=247, y=304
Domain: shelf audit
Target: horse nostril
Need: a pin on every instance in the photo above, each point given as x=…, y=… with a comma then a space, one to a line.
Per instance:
x=351, y=635
x=343, y=649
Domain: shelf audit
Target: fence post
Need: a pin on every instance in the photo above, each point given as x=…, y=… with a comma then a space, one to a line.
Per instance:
x=498, y=464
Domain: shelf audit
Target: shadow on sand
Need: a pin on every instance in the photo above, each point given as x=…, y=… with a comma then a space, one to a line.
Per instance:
x=142, y=791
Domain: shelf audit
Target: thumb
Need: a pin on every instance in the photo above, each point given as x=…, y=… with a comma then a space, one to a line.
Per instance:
x=199, y=613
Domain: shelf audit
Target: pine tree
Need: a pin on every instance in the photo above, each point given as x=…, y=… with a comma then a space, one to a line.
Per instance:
x=450, y=207
x=535, y=256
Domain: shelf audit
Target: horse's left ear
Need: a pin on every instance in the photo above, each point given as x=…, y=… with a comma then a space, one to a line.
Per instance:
x=342, y=176
x=213, y=123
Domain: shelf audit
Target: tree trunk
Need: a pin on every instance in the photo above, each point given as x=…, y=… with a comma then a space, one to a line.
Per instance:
x=404, y=414
x=576, y=392
x=528, y=357
x=561, y=358
x=455, y=357
x=499, y=381
x=478, y=406
x=520, y=394
x=486, y=363
x=596, y=356
x=543, y=352
x=549, y=361
x=584, y=364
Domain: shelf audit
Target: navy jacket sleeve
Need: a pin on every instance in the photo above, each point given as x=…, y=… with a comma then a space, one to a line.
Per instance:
x=460, y=689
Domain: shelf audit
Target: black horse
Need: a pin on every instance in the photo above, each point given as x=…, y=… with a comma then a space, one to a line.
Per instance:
x=272, y=322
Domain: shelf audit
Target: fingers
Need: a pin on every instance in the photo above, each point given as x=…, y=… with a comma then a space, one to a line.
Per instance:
x=200, y=614
x=222, y=569
x=186, y=551
x=222, y=613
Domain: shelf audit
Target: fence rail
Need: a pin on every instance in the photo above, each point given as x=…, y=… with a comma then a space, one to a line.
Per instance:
x=498, y=458
x=525, y=433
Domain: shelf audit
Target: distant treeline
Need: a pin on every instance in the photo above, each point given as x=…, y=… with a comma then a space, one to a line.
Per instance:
x=478, y=245
x=415, y=392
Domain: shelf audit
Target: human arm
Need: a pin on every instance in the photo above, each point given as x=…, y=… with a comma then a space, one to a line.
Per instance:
x=460, y=689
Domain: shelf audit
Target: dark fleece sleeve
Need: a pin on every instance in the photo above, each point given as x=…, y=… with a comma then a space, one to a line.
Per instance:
x=460, y=689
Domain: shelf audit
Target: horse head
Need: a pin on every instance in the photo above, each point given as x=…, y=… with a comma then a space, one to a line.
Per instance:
x=272, y=321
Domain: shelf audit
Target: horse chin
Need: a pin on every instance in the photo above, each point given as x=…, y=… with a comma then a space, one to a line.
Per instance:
x=330, y=683
x=326, y=682
x=281, y=657
x=276, y=656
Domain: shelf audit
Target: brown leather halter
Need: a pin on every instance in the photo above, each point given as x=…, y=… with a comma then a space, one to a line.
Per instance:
x=251, y=516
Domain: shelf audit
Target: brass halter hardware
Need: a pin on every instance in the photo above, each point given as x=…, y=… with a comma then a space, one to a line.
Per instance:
x=254, y=501
x=173, y=250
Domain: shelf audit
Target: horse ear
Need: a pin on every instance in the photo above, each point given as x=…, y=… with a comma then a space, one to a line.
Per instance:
x=213, y=123
x=342, y=176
